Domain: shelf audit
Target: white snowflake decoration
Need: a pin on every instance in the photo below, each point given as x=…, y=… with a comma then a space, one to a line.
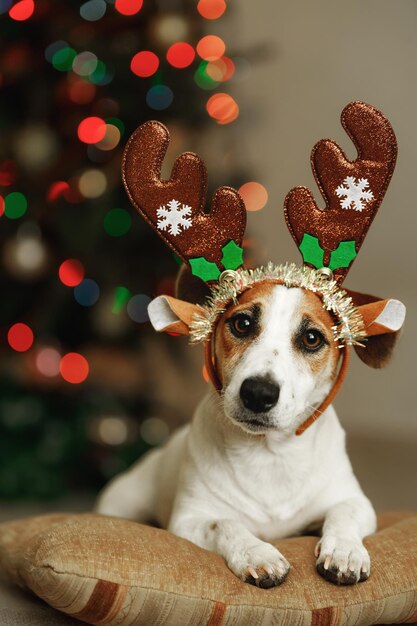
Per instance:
x=174, y=218
x=355, y=192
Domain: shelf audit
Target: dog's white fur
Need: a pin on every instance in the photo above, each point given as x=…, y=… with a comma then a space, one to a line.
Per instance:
x=231, y=490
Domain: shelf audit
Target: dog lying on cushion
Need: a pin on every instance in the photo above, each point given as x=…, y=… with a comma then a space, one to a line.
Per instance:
x=237, y=476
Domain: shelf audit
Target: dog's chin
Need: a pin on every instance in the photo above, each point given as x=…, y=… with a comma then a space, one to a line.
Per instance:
x=258, y=424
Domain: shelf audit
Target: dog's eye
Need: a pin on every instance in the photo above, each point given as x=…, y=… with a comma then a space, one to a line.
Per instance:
x=312, y=340
x=241, y=325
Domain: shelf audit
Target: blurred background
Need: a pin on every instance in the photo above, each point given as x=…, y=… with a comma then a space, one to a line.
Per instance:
x=86, y=386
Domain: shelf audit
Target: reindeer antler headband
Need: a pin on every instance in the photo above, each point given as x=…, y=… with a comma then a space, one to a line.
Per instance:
x=329, y=239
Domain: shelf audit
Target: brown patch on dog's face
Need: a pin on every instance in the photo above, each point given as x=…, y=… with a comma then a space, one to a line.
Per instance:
x=229, y=344
x=314, y=339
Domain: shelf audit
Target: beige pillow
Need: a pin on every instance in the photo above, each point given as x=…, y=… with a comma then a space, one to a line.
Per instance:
x=112, y=571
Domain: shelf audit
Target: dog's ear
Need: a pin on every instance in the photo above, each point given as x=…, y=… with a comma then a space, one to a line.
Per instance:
x=190, y=288
x=383, y=321
x=171, y=315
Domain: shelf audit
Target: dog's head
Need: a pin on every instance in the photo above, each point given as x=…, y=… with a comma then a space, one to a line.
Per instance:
x=274, y=349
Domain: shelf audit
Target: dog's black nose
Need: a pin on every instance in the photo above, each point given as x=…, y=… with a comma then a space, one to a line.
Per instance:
x=259, y=394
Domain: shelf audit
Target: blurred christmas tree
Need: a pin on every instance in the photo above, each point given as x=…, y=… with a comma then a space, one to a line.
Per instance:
x=78, y=267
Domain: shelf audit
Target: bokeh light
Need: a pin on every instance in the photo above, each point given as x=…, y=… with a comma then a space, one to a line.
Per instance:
x=81, y=91
x=57, y=189
x=74, y=368
x=128, y=7
x=211, y=9
x=223, y=108
x=5, y=5
x=87, y=292
x=85, y=63
x=254, y=195
x=15, y=205
x=137, y=308
x=202, y=79
x=170, y=27
x=144, y=63
x=220, y=70
x=211, y=48
x=117, y=222
x=92, y=183
x=121, y=296
x=22, y=10
x=54, y=47
x=159, y=97
x=93, y=10
x=71, y=272
x=180, y=54
x=154, y=431
x=110, y=140
x=63, y=59
x=47, y=362
x=20, y=337
x=91, y=130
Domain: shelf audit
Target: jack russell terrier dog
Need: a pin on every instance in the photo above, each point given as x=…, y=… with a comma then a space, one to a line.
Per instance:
x=239, y=475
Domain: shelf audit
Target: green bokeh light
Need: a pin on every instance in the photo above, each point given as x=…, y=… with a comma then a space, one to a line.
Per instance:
x=63, y=59
x=15, y=205
x=117, y=222
x=121, y=296
x=202, y=79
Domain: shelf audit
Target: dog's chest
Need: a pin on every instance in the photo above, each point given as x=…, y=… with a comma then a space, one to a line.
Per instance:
x=271, y=492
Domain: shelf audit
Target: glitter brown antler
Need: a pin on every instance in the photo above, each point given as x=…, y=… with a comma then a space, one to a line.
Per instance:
x=175, y=208
x=353, y=191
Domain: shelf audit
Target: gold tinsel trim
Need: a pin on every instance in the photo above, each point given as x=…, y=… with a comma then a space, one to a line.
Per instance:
x=349, y=329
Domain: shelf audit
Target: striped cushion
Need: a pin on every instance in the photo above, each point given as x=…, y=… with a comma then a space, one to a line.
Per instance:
x=112, y=571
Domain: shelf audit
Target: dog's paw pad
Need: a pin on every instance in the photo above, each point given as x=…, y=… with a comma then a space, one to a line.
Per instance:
x=342, y=561
x=262, y=566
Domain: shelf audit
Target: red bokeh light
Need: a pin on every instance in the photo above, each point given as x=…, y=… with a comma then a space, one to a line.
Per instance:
x=220, y=70
x=144, y=64
x=180, y=54
x=22, y=10
x=81, y=91
x=74, y=368
x=128, y=7
x=57, y=189
x=71, y=272
x=91, y=130
x=211, y=48
x=211, y=9
x=20, y=337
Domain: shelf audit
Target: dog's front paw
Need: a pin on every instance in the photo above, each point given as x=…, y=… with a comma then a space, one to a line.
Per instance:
x=342, y=561
x=261, y=565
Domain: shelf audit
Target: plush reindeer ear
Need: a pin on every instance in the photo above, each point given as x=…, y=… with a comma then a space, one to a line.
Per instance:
x=208, y=241
x=171, y=315
x=190, y=288
x=353, y=191
x=383, y=321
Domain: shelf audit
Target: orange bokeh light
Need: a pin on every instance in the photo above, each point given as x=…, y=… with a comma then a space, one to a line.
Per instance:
x=211, y=9
x=254, y=195
x=223, y=108
x=211, y=48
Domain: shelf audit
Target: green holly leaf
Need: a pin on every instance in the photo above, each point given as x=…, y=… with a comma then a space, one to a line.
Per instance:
x=232, y=256
x=312, y=251
x=206, y=270
x=343, y=255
